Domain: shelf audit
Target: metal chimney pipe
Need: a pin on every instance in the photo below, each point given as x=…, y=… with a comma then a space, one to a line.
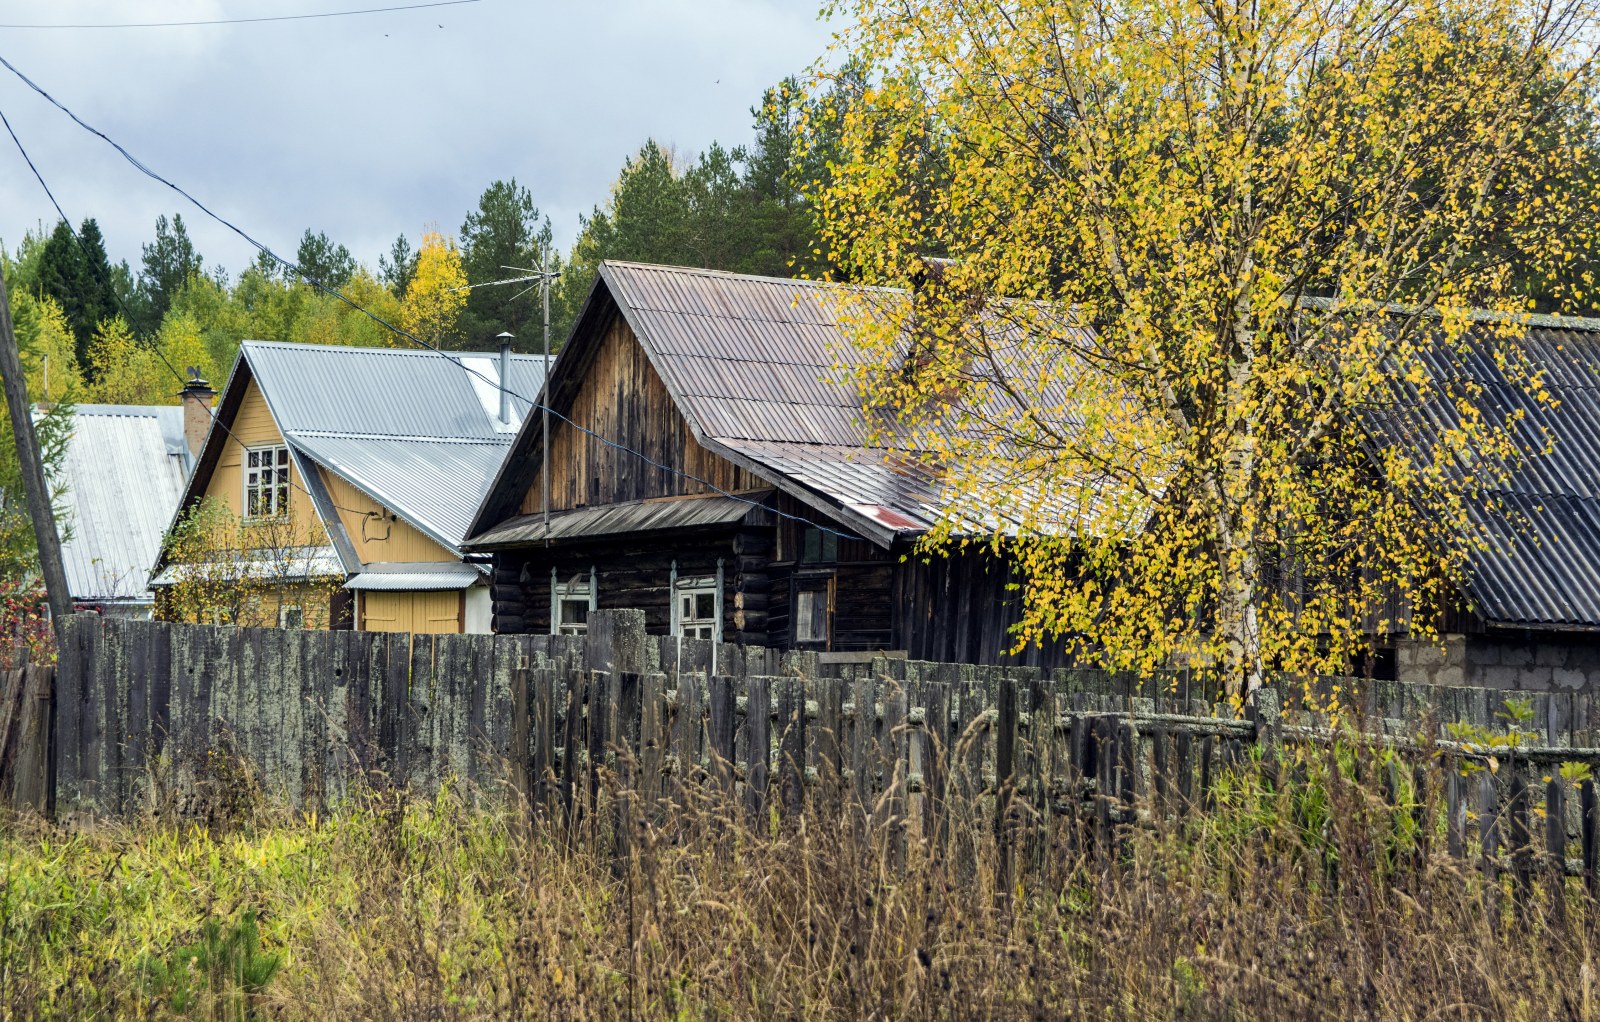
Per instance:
x=505, y=376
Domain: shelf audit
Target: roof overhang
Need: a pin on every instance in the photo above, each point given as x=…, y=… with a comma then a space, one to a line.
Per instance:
x=423, y=576
x=629, y=519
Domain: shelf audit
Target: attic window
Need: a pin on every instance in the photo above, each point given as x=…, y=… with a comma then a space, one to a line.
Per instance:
x=266, y=482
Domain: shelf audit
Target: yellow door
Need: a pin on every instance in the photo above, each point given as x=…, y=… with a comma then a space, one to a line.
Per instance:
x=432, y=613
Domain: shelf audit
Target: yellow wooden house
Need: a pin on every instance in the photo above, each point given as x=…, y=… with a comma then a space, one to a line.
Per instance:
x=348, y=478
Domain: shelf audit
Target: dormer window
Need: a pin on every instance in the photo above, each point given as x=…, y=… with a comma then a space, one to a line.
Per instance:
x=266, y=482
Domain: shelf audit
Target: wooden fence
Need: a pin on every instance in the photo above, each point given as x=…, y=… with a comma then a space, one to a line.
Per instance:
x=141, y=708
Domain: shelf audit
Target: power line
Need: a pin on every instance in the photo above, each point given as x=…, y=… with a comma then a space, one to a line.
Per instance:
x=406, y=334
x=248, y=21
x=153, y=347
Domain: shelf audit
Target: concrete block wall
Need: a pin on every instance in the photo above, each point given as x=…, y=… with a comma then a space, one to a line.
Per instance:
x=1544, y=663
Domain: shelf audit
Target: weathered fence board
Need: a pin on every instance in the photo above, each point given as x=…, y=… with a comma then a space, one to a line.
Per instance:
x=602, y=730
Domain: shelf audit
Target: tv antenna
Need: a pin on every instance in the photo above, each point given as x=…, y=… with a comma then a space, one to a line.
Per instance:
x=540, y=278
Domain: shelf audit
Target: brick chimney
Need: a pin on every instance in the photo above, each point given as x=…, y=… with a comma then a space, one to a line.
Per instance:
x=197, y=397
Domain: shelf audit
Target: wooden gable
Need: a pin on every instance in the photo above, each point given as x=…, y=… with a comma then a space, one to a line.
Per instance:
x=622, y=399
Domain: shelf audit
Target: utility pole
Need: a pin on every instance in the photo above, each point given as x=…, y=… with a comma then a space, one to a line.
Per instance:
x=33, y=481
x=544, y=388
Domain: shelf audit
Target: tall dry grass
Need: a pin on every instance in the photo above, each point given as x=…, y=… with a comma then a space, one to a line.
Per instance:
x=1310, y=899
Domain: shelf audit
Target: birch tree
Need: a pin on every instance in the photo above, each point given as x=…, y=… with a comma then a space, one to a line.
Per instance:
x=1197, y=248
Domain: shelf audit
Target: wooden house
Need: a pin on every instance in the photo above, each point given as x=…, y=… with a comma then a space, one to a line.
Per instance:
x=352, y=475
x=704, y=470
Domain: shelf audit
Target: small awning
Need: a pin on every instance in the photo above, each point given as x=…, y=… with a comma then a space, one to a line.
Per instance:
x=420, y=576
x=638, y=516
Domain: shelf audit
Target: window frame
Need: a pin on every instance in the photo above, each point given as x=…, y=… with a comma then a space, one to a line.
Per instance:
x=280, y=491
x=819, y=586
x=292, y=609
x=690, y=586
x=572, y=592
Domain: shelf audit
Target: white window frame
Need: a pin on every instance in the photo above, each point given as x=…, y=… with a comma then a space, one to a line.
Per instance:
x=276, y=493
x=575, y=591
x=293, y=609
x=688, y=588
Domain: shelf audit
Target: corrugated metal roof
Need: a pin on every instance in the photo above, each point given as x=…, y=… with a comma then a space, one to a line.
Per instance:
x=124, y=473
x=1540, y=526
x=386, y=391
x=417, y=431
x=433, y=484
x=426, y=576
x=752, y=364
x=624, y=519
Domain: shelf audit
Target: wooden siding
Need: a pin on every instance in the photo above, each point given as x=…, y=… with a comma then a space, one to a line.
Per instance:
x=388, y=539
x=637, y=574
x=623, y=400
x=428, y=613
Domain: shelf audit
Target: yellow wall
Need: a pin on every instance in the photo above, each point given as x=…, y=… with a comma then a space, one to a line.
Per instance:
x=387, y=540
x=254, y=427
x=411, y=612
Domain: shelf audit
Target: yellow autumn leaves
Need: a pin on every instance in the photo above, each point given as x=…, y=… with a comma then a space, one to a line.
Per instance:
x=1195, y=361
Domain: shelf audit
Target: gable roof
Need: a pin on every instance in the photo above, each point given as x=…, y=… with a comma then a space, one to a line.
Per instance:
x=417, y=431
x=748, y=362
x=123, y=473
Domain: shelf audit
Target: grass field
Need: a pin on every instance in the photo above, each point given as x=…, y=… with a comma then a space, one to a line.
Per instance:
x=1316, y=902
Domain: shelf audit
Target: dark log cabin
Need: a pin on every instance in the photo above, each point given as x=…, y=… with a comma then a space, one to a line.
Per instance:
x=704, y=470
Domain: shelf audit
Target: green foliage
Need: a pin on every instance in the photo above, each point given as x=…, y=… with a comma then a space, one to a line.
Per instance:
x=322, y=260
x=398, y=267
x=224, y=969
x=79, y=278
x=169, y=262
x=42, y=330
x=505, y=230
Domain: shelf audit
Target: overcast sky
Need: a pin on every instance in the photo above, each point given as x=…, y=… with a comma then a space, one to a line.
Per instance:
x=369, y=125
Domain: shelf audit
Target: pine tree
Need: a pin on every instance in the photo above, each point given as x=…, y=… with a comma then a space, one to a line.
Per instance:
x=505, y=230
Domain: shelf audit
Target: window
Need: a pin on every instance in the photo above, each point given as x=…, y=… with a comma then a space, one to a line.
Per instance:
x=813, y=604
x=697, y=600
x=570, y=603
x=291, y=617
x=266, y=482
x=818, y=547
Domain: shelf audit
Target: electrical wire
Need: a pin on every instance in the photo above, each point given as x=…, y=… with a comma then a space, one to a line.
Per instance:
x=248, y=21
x=534, y=406
x=151, y=346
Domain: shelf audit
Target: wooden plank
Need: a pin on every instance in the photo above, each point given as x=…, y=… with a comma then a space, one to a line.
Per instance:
x=574, y=742
x=1518, y=837
x=793, y=735
x=652, y=740
x=758, y=745
x=546, y=782
x=629, y=724
x=1555, y=846
x=688, y=733
x=1488, y=823
x=719, y=734
x=1005, y=779
x=1455, y=809
x=1589, y=833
